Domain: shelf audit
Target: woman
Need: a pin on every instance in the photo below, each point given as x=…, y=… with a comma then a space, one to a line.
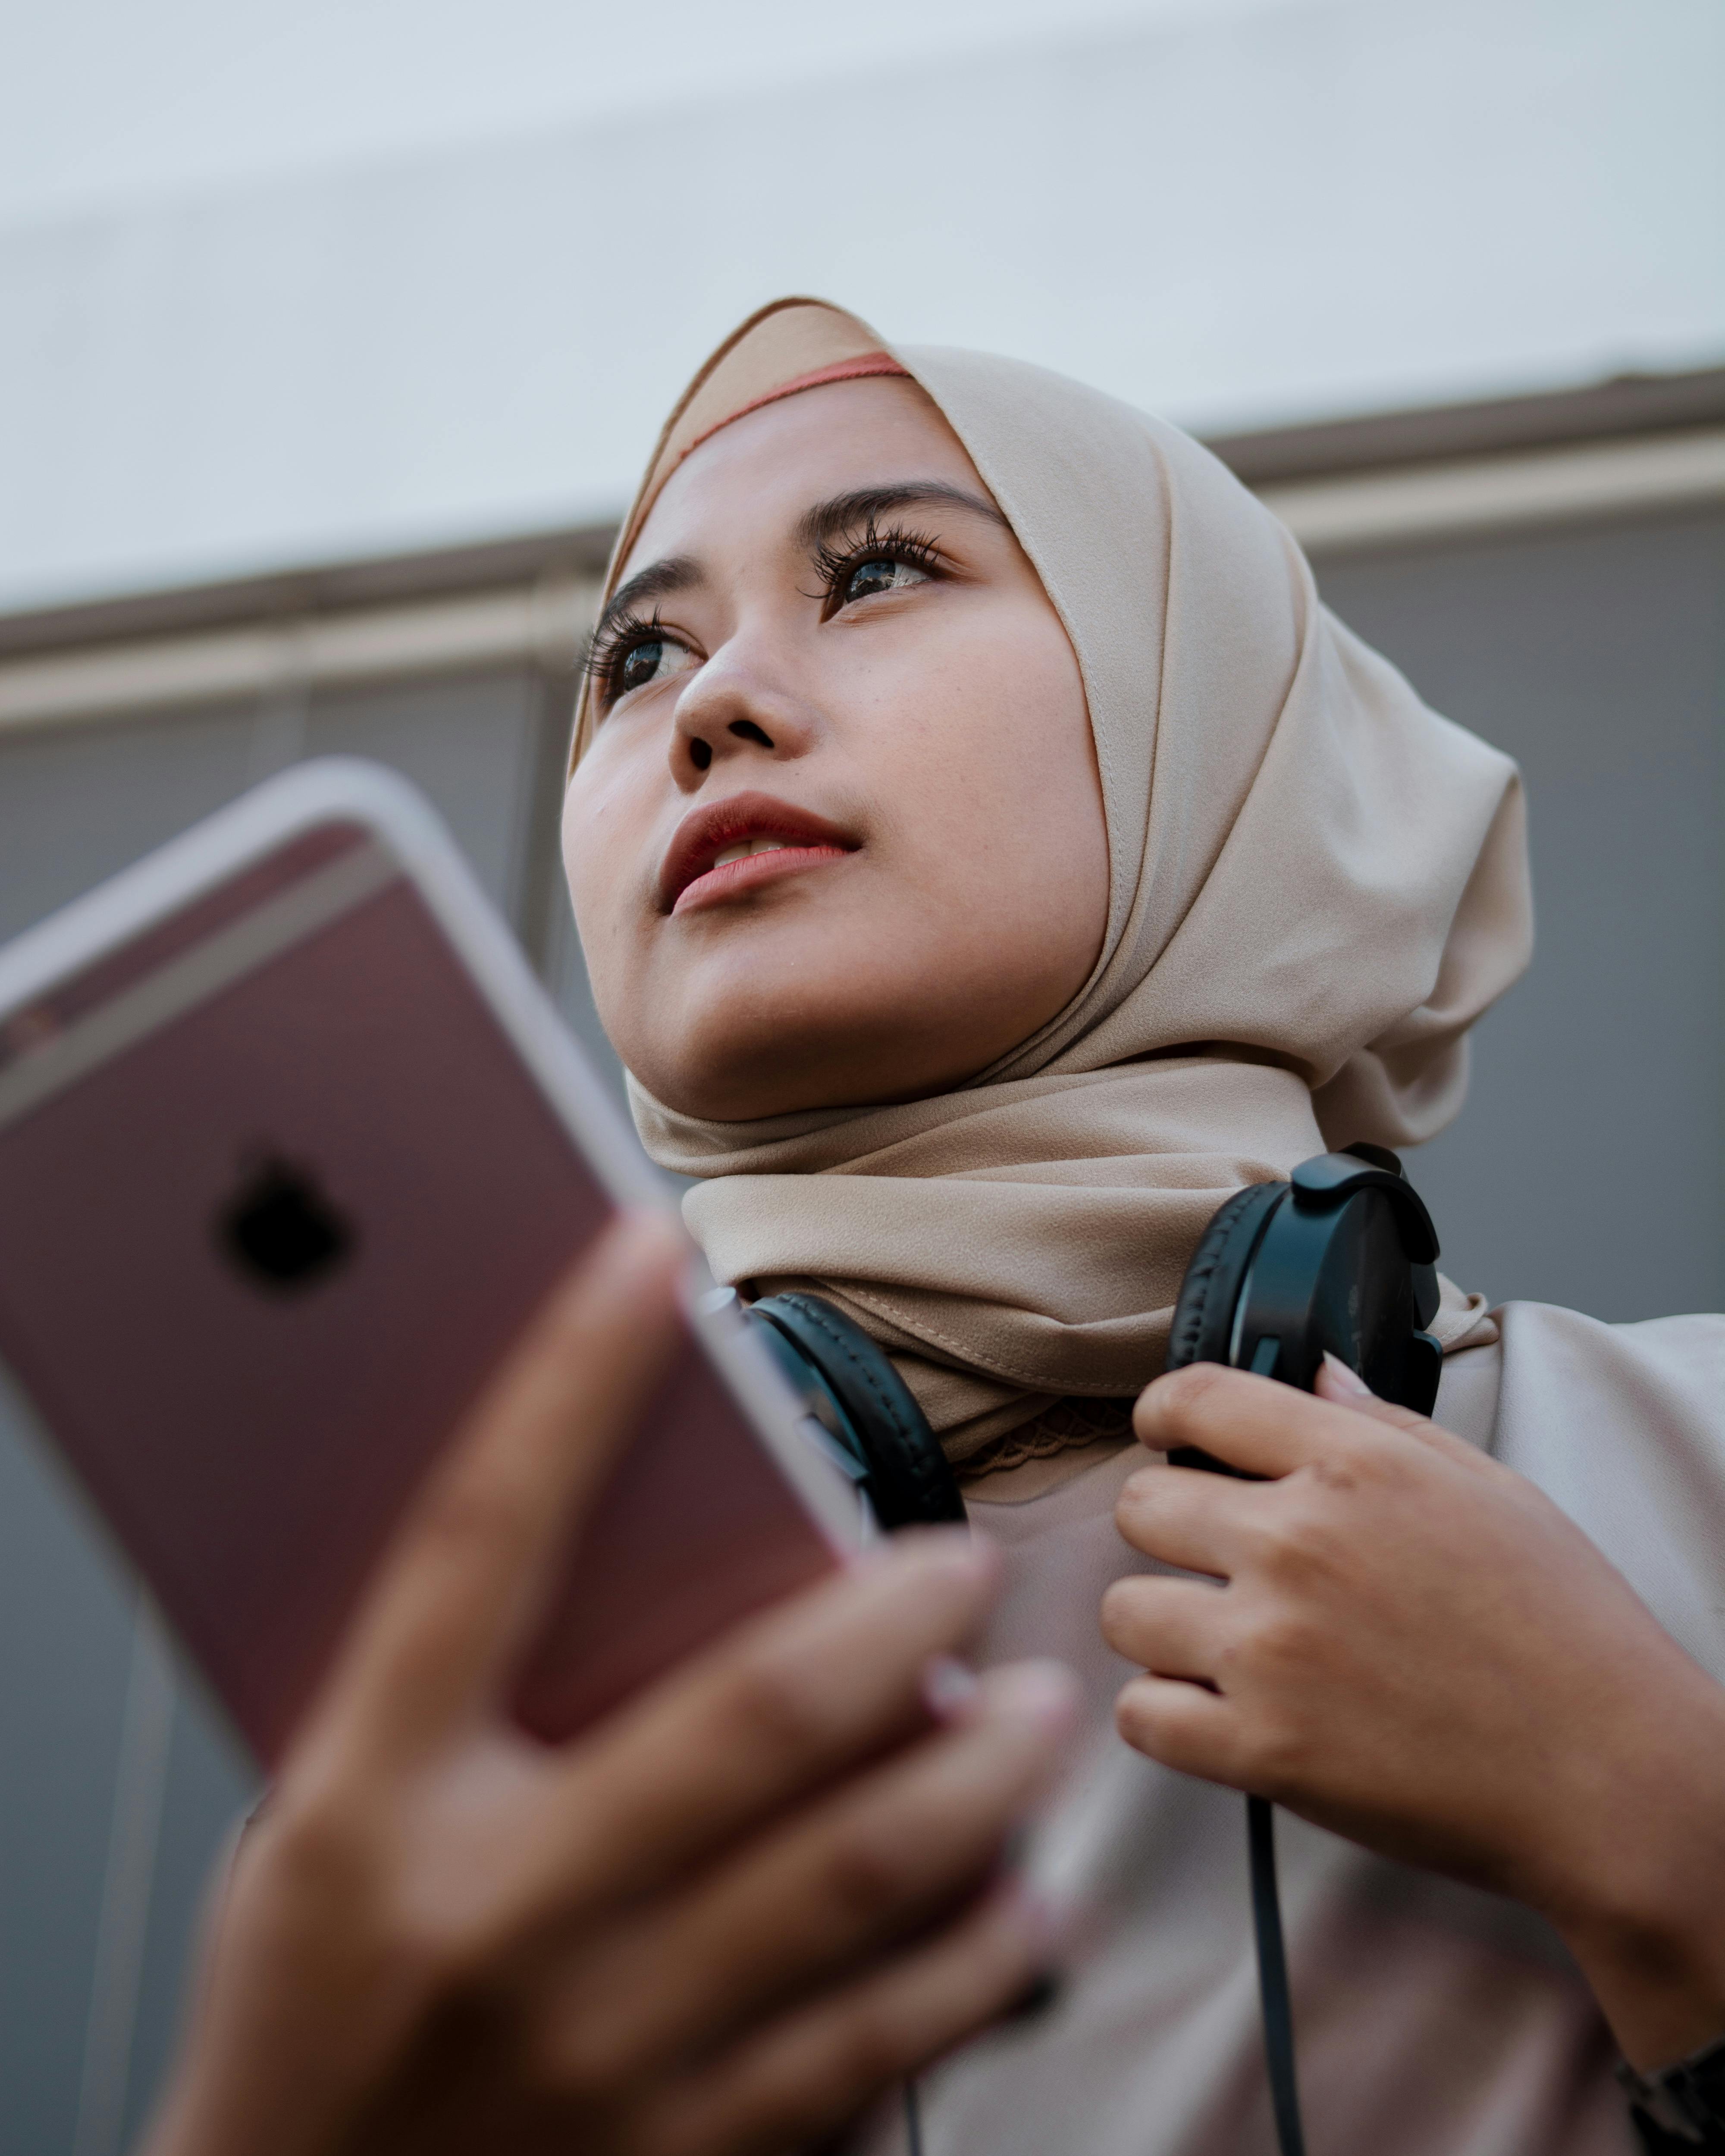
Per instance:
x=988, y=856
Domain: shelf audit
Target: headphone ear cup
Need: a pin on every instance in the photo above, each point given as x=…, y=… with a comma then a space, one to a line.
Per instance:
x=1203, y=1327
x=909, y=1480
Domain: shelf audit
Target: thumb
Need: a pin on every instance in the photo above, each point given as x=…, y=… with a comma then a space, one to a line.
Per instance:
x=1346, y=1389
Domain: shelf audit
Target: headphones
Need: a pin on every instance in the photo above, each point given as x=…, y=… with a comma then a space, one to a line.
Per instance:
x=1341, y=1258
x=867, y=1416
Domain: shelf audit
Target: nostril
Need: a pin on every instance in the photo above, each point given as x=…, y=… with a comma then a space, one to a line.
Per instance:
x=700, y=754
x=746, y=729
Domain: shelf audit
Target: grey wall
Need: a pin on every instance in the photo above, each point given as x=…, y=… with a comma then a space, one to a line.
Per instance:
x=1586, y=1169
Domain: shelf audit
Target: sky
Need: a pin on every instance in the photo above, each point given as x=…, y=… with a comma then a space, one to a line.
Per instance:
x=104, y=101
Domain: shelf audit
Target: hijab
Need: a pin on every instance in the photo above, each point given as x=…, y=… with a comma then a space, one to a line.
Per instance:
x=1316, y=885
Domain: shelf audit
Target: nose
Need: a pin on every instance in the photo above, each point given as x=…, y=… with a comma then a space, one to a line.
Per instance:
x=733, y=708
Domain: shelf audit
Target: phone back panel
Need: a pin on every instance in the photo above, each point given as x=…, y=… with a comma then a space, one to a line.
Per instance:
x=256, y=1264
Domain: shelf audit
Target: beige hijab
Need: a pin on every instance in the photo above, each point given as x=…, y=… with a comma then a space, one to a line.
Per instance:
x=1316, y=886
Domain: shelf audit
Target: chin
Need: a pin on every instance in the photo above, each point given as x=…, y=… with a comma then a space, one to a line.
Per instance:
x=777, y=1024
x=742, y=1065
x=736, y=1084
x=735, y=1073
x=750, y=1032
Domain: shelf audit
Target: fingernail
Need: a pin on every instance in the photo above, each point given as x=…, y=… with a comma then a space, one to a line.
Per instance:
x=1344, y=1380
x=949, y=1688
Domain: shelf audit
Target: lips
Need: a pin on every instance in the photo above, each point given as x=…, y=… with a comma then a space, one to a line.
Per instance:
x=737, y=844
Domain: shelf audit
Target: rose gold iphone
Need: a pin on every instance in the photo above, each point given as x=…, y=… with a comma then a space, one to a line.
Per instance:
x=291, y=1147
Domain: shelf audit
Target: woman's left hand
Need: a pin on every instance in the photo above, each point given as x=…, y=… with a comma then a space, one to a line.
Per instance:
x=1407, y=1643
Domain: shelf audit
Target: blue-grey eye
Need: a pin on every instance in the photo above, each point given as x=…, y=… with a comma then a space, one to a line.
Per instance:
x=652, y=659
x=880, y=573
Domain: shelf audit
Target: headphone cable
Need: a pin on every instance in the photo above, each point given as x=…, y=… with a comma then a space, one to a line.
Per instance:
x=1273, y=1978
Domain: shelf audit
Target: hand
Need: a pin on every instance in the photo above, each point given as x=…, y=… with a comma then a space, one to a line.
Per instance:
x=1405, y=1642
x=720, y=1922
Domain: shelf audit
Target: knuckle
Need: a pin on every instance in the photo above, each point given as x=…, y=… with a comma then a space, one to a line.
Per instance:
x=466, y=1511
x=347, y=1866
x=1272, y=1757
x=335, y=1884
x=1124, y=1617
x=1148, y=1717
x=322, y=1839
x=1276, y=1643
x=1189, y=1398
x=1298, y=1539
x=1341, y=1470
x=1135, y=1718
x=862, y=1876
x=779, y=1707
x=1146, y=1505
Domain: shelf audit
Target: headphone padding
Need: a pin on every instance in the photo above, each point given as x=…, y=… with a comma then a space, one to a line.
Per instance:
x=910, y=1480
x=1203, y=1316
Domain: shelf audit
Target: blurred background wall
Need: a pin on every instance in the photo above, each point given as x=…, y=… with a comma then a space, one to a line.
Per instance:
x=332, y=337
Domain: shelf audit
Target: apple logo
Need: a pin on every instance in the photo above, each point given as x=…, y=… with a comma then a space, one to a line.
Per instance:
x=280, y=1229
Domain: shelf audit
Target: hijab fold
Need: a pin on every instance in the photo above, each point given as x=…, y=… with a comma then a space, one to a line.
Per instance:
x=1316, y=885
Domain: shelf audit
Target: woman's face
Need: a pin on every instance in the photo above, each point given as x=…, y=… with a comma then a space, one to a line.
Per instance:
x=839, y=838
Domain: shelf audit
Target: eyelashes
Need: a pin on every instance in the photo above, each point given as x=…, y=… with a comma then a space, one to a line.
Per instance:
x=842, y=568
x=611, y=646
x=837, y=565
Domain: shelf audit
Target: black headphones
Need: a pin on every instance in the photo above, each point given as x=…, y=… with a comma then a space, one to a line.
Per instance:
x=868, y=1415
x=1339, y=1258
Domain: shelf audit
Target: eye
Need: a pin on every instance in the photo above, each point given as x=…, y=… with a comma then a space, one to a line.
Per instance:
x=891, y=561
x=879, y=573
x=634, y=655
x=655, y=659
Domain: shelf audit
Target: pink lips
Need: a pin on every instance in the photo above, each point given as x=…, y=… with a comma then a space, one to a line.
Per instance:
x=692, y=875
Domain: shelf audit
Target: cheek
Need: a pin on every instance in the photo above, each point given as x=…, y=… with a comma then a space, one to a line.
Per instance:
x=995, y=785
x=605, y=821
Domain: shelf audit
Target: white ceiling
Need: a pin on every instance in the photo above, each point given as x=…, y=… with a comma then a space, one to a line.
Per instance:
x=109, y=101
x=290, y=285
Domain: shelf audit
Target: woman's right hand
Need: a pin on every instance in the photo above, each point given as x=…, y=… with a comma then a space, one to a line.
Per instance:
x=722, y=1921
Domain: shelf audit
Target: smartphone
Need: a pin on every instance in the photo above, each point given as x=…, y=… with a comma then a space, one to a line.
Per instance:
x=291, y=1148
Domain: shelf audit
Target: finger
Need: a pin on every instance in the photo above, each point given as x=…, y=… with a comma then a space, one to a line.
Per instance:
x=880, y=1857
x=471, y=1563
x=1184, y=1727
x=1252, y=1423
x=781, y=1705
x=1184, y=1517
x=1346, y=1389
x=1173, y=1627
x=814, y=2071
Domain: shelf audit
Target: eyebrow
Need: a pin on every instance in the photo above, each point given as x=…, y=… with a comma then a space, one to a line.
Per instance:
x=816, y=527
x=828, y=520
x=659, y=580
